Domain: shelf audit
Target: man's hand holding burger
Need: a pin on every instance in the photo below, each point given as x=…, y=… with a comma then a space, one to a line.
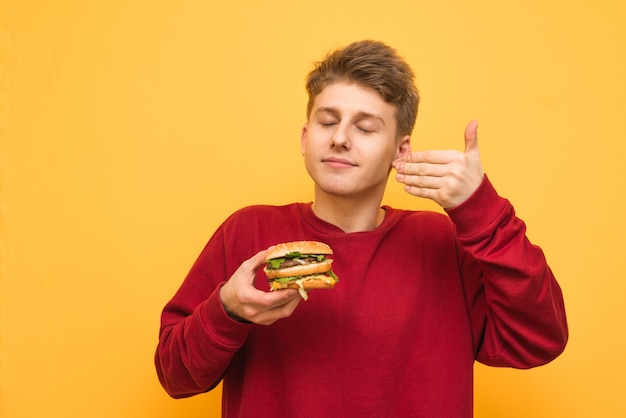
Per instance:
x=244, y=302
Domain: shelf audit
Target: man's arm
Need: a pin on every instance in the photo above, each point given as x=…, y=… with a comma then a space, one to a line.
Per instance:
x=516, y=304
x=205, y=324
x=195, y=347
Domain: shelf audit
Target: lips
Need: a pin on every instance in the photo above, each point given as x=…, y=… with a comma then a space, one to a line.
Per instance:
x=337, y=162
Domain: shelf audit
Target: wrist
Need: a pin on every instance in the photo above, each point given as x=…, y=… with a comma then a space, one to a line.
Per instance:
x=229, y=312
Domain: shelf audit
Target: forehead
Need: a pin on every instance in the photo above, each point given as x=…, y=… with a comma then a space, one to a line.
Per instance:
x=349, y=99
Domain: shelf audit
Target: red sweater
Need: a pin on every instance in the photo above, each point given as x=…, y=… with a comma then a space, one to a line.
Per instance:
x=419, y=300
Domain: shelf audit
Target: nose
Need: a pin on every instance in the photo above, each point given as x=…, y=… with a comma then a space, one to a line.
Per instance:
x=340, y=138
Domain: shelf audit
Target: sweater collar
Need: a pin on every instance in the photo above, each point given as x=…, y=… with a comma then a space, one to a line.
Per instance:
x=324, y=227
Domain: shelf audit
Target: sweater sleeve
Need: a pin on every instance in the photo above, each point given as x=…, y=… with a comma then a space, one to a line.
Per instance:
x=516, y=305
x=197, y=339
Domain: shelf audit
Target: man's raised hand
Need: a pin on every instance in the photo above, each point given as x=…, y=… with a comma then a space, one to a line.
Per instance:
x=447, y=177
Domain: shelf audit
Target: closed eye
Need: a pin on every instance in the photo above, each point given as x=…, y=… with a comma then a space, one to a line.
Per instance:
x=364, y=130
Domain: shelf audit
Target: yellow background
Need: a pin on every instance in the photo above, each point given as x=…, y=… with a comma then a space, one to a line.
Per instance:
x=130, y=130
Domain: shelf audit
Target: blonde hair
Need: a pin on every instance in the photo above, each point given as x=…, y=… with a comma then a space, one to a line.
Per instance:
x=371, y=64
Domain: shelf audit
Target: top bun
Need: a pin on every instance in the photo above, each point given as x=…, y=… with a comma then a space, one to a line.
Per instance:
x=303, y=247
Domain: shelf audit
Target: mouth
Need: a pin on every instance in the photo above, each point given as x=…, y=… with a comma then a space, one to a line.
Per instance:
x=338, y=163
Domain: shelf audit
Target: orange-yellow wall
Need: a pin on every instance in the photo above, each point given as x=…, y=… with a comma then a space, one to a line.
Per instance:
x=130, y=130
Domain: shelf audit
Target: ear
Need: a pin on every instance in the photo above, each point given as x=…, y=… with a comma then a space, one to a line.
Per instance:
x=303, y=139
x=404, y=148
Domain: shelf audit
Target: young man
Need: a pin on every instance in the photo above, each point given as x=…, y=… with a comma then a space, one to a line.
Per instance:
x=421, y=295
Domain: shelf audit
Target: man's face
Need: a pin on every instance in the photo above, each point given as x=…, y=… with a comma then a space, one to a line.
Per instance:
x=350, y=141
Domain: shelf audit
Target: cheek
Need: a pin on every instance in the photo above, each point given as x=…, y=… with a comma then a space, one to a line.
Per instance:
x=309, y=155
x=313, y=141
x=383, y=159
x=384, y=154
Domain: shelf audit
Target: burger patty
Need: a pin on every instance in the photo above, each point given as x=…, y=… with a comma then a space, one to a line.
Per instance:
x=289, y=262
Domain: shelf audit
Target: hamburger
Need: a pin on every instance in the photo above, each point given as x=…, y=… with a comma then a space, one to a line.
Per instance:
x=301, y=265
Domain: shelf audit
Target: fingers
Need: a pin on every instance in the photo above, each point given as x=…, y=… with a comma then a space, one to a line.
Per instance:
x=244, y=302
x=427, y=169
x=265, y=308
x=420, y=167
x=447, y=177
x=281, y=304
x=446, y=156
x=432, y=157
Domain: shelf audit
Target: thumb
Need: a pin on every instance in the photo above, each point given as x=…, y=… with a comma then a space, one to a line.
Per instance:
x=258, y=259
x=471, y=137
x=249, y=267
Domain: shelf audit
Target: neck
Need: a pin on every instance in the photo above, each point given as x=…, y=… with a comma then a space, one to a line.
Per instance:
x=349, y=214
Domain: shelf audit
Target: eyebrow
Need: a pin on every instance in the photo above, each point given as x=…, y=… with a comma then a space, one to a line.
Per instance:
x=360, y=115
